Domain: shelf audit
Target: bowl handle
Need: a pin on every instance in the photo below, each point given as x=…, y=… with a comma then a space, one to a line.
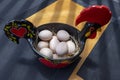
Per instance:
x=96, y=16
x=17, y=29
x=89, y=31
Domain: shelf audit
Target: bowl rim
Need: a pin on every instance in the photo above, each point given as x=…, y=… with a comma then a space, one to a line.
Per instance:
x=77, y=53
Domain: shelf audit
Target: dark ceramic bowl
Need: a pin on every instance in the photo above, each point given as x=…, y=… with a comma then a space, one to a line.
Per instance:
x=62, y=62
x=15, y=30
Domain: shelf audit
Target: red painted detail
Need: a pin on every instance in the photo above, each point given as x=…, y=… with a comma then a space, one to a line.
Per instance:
x=92, y=29
x=95, y=14
x=20, y=32
x=93, y=35
x=52, y=65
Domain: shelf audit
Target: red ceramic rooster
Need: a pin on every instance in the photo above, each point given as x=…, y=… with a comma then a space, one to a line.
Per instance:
x=96, y=16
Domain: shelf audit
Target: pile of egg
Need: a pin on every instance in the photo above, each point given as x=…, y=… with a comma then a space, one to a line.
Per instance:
x=56, y=45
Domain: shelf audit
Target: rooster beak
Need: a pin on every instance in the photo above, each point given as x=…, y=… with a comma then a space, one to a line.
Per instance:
x=88, y=34
x=92, y=32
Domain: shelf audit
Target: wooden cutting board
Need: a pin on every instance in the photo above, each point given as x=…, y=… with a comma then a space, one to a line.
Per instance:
x=66, y=11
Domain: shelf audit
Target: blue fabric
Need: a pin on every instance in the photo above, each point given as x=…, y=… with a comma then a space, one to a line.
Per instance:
x=17, y=62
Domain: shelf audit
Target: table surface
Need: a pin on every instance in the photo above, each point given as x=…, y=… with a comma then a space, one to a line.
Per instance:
x=17, y=62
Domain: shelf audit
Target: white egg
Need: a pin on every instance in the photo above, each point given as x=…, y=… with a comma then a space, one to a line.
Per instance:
x=71, y=47
x=53, y=43
x=63, y=35
x=45, y=35
x=47, y=52
x=55, y=56
x=61, y=48
x=42, y=44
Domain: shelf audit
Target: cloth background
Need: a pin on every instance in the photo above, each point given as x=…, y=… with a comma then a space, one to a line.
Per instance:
x=17, y=62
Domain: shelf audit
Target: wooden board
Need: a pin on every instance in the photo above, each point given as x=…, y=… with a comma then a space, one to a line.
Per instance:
x=65, y=11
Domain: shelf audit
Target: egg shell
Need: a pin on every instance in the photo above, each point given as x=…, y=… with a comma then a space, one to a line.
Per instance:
x=71, y=47
x=45, y=35
x=55, y=56
x=63, y=35
x=61, y=48
x=47, y=52
x=53, y=43
x=43, y=44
